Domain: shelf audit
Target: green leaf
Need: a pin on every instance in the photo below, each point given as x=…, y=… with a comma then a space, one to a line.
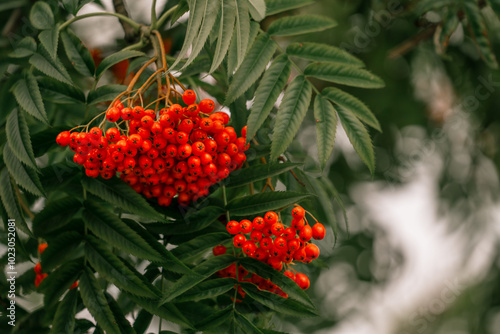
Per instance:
x=116, y=233
x=57, y=92
x=61, y=247
x=11, y=203
x=301, y=24
x=121, y=321
x=142, y=321
x=24, y=48
x=18, y=137
x=70, y=5
x=168, y=312
x=114, y=59
x=240, y=39
x=326, y=127
x=257, y=9
x=323, y=53
x=200, y=273
x=358, y=136
x=118, y=193
x=263, y=202
x=285, y=283
x=278, y=6
x=60, y=280
x=210, y=12
x=277, y=303
x=291, y=112
x=245, y=324
x=104, y=93
x=55, y=215
x=480, y=33
x=424, y=6
x=96, y=303
x=208, y=289
x=344, y=75
x=252, y=67
x=227, y=19
x=50, y=67
x=25, y=177
x=64, y=320
x=191, y=250
x=216, y=319
x=349, y=102
x=49, y=39
x=182, y=9
x=78, y=54
x=111, y=267
x=28, y=96
x=270, y=87
x=495, y=5
x=193, y=221
x=41, y=16
x=259, y=172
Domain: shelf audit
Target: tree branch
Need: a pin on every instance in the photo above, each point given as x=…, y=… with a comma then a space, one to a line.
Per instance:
x=130, y=33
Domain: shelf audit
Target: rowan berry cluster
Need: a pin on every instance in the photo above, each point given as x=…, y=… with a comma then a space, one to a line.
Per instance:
x=40, y=275
x=177, y=151
x=268, y=240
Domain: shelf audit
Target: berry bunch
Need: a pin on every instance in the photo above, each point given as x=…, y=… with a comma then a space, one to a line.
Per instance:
x=268, y=240
x=177, y=151
x=40, y=275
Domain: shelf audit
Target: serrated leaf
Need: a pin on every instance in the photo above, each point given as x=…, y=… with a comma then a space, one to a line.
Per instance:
x=114, y=59
x=358, y=136
x=291, y=112
x=257, y=9
x=208, y=289
x=57, y=92
x=118, y=193
x=104, y=93
x=193, y=221
x=115, y=232
x=480, y=33
x=240, y=40
x=252, y=67
x=344, y=75
x=263, y=202
x=301, y=24
x=49, y=39
x=188, y=251
x=18, y=137
x=259, y=172
x=278, y=6
x=60, y=280
x=285, y=283
x=55, y=215
x=210, y=12
x=24, y=48
x=61, y=247
x=326, y=126
x=227, y=19
x=25, y=177
x=168, y=312
x=351, y=103
x=121, y=321
x=216, y=319
x=96, y=303
x=277, y=303
x=64, y=319
x=27, y=94
x=41, y=16
x=50, y=67
x=78, y=54
x=323, y=53
x=246, y=325
x=142, y=321
x=200, y=273
x=11, y=203
x=270, y=87
x=111, y=267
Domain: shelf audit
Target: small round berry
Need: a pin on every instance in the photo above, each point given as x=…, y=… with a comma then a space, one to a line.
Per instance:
x=63, y=138
x=302, y=281
x=270, y=217
x=219, y=250
x=249, y=247
x=113, y=114
x=233, y=227
x=256, y=235
x=318, y=231
x=245, y=226
x=189, y=96
x=239, y=240
x=312, y=251
x=290, y=274
x=305, y=234
x=298, y=212
x=258, y=223
x=277, y=229
x=206, y=106
x=42, y=247
x=298, y=224
x=38, y=268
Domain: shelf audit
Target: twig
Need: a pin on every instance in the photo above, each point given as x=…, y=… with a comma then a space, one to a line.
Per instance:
x=410, y=44
x=129, y=31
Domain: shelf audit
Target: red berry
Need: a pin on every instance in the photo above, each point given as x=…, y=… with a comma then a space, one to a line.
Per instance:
x=42, y=247
x=270, y=217
x=298, y=212
x=63, y=138
x=302, y=281
x=305, y=234
x=239, y=240
x=245, y=226
x=189, y=96
x=277, y=229
x=318, y=231
x=233, y=227
x=312, y=251
x=38, y=268
x=206, y=106
x=219, y=250
x=249, y=247
x=113, y=114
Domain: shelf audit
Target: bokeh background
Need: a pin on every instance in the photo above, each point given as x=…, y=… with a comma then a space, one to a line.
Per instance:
x=420, y=254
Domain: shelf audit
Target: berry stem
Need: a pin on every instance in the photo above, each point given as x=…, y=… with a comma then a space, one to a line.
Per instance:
x=224, y=198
